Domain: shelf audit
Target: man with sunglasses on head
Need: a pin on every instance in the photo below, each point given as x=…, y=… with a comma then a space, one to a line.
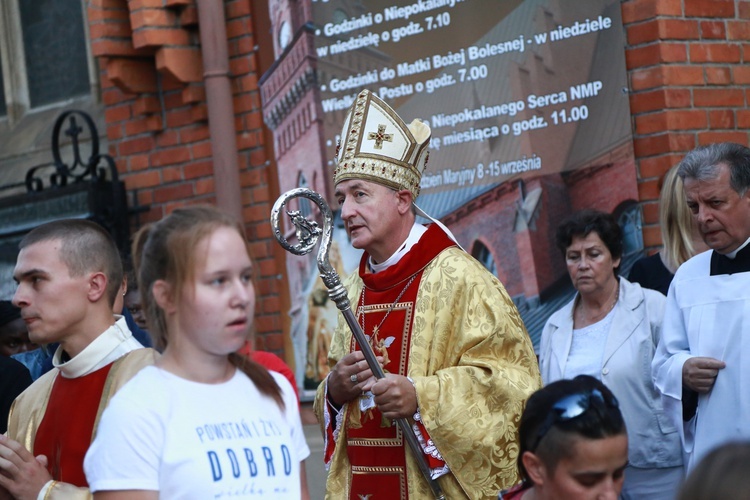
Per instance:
x=702, y=363
x=573, y=443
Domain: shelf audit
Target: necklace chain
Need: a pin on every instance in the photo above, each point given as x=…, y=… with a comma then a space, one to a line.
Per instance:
x=579, y=306
x=390, y=308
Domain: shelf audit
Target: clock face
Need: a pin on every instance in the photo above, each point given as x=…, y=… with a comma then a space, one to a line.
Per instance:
x=285, y=35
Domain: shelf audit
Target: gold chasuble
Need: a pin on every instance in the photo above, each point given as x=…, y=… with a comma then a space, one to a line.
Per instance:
x=438, y=317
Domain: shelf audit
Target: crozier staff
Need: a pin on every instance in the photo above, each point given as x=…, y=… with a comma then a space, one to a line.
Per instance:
x=457, y=357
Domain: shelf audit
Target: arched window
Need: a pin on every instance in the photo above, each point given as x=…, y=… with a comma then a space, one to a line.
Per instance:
x=632, y=229
x=630, y=222
x=305, y=205
x=339, y=16
x=483, y=255
x=285, y=34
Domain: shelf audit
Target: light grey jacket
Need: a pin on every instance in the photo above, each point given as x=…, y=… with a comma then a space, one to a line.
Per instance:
x=626, y=370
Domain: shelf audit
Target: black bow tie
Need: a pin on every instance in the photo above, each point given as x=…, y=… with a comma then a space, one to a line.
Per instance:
x=721, y=264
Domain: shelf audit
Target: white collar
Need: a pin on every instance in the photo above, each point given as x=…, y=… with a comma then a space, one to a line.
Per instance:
x=417, y=230
x=733, y=254
x=107, y=347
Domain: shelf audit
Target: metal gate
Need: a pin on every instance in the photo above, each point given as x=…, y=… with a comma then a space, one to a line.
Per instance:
x=85, y=187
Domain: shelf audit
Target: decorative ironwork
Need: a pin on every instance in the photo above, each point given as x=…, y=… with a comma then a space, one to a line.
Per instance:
x=80, y=182
x=94, y=168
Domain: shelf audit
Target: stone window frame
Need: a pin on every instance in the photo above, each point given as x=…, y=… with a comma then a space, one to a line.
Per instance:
x=12, y=58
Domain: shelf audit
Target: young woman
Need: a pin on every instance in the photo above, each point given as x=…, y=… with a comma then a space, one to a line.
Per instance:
x=573, y=443
x=679, y=234
x=204, y=422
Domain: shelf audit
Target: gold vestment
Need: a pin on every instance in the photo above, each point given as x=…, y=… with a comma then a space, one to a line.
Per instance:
x=473, y=367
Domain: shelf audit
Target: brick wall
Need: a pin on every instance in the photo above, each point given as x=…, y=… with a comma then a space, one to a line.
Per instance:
x=156, y=114
x=529, y=261
x=471, y=224
x=689, y=81
x=586, y=191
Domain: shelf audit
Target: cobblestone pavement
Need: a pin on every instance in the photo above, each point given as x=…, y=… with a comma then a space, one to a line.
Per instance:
x=316, y=470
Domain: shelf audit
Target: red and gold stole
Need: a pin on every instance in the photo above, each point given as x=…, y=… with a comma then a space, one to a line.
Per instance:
x=66, y=431
x=375, y=447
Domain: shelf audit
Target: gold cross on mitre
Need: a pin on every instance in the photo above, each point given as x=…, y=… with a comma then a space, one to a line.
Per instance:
x=380, y=136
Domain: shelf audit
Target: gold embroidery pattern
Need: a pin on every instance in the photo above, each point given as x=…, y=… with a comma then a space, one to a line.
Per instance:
x=379, y=346
x=397, y=441
x=376, y=470
x=473, y=366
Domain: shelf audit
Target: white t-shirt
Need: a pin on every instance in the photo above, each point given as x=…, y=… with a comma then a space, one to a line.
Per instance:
x=204, y=441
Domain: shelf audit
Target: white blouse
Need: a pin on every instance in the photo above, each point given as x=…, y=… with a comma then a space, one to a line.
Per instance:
x=587, y=348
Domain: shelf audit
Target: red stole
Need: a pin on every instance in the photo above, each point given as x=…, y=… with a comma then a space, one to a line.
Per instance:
x=376, y=450
x=66, y=431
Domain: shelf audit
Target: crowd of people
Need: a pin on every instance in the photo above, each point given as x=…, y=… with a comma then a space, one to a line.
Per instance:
x=140, y=382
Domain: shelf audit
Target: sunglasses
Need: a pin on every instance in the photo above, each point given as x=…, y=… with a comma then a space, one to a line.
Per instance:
x=571, y=407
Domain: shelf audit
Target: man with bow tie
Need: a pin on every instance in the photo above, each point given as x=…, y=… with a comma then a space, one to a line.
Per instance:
x=703, y=359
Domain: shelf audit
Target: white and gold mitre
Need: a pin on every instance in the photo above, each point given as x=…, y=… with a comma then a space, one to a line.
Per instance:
x=376, y=145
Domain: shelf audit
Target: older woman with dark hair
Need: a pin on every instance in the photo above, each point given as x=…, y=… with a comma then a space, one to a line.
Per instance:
x=610, y=331
x=573, y=443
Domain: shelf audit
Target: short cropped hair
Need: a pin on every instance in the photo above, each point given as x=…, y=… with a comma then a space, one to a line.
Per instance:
x=581, y=224
x=702, y=164
x=598, y=422
x=85, y=247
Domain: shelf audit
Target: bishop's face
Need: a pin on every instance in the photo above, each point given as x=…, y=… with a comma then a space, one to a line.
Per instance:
x=371, y=216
